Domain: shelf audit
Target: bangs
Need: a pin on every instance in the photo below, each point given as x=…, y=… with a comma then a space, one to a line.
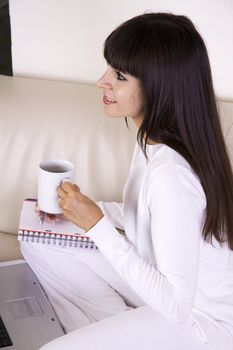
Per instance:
x=123, y=50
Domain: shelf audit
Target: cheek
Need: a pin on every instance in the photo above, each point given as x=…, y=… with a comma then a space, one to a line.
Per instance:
x=137, y=102
x=130, y=101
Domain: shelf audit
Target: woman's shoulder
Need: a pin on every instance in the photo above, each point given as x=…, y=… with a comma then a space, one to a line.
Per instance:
x=170, y=170
x=161, y=155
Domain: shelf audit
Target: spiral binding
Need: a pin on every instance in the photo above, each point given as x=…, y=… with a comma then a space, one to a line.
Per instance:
x=55, y=239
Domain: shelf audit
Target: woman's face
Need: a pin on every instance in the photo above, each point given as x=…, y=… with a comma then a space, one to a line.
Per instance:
x=122, y=95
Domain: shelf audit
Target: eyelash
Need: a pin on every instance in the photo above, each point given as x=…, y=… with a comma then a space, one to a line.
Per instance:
x=120, y=76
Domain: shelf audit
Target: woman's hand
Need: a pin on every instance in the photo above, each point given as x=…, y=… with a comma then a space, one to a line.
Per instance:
x=78, y=208
x=50, y=218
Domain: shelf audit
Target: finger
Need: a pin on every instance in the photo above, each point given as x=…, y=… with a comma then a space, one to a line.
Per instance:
x=62, y=203
x=66, y=180
x=45, y=217
x=37, y=209
x=51, y=218
x=61, y=193
x=67, y=186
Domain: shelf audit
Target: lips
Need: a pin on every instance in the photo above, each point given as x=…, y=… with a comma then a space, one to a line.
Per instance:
x=107, y=100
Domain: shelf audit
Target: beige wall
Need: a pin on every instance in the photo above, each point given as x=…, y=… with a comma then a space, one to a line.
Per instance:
x=63, y=39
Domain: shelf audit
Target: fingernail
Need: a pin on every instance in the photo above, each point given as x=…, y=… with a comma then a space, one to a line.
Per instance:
x=65, y=180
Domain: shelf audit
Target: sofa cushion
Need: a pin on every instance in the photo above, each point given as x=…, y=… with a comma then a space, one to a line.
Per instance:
x=9, y=247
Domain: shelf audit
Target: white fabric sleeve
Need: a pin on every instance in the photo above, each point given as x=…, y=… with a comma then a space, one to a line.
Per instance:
x=114, y=212
x=176, y=205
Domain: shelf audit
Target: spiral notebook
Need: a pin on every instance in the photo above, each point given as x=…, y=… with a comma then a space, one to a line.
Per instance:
x=62, y=233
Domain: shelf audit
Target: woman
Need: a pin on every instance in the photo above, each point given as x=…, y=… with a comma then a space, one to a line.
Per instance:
x=167, y=283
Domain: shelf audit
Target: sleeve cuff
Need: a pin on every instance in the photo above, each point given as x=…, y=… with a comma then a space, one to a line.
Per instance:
x=106, y=236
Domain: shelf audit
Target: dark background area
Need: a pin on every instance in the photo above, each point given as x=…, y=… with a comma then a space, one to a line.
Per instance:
x=5, y=39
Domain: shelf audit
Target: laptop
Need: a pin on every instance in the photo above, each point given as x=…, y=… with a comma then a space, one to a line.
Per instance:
x=27, y=320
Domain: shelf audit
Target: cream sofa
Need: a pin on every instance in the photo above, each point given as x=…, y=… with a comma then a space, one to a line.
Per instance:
x=46, y=119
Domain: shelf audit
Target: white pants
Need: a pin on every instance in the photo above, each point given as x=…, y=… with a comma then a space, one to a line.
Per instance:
x=84, y=288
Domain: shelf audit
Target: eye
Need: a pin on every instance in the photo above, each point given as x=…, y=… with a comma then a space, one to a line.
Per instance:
x=120, y=76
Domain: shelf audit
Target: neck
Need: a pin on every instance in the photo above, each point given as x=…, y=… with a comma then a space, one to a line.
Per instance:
x=138, y=121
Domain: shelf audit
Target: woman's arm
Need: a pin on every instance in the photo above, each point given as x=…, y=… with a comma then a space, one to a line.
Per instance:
x=114, y=211
x=176, y=205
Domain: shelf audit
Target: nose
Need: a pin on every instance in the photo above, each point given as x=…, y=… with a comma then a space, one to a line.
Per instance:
x=104, y=82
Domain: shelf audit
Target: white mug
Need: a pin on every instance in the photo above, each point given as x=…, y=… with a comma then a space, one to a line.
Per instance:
x=50, y=176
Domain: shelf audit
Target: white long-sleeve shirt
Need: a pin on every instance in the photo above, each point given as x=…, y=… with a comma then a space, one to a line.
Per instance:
x=163, y=256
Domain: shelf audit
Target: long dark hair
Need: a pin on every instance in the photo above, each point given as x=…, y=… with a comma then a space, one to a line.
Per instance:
x=167, y=54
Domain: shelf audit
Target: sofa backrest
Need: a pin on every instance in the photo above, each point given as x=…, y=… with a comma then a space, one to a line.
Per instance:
x=49, y=120
x=42, y=119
